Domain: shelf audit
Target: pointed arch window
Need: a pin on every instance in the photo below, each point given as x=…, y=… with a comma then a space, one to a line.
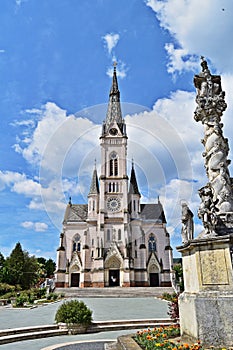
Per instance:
x=113, y=164
x=76, y=243
x=152, y=243
x=119, y=234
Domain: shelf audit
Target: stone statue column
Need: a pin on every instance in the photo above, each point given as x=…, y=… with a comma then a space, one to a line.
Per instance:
x=206, y=305
x=217, y=197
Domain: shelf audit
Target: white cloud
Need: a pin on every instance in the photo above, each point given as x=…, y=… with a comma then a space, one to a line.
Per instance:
x=36, y=226
x=198, y=29
x=40, y=226
x=27, y=224
x=111, y=41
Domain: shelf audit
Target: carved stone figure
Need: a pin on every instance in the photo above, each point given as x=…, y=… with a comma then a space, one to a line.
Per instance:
x=217, y=196
x=187, y=224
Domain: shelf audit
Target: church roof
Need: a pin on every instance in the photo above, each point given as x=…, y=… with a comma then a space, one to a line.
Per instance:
x=153, y=212
x=94, y=188
x=133, y=186
x=114, y=106
x=76, y=212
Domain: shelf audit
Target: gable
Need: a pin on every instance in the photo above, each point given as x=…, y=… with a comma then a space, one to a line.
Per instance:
x=153, y=212
x=76, y=213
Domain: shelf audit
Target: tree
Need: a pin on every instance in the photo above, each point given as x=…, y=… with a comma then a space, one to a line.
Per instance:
x=21, y=269
x=2, y=267
x=48, y=265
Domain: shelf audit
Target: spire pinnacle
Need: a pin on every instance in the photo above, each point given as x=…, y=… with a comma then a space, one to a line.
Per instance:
x=114, y=106
x=94, y=188
x=133, y=187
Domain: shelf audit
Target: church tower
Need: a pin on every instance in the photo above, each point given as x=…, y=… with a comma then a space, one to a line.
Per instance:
x=114, y=240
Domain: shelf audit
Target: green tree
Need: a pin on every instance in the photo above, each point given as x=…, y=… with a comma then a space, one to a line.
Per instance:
x=50, y=267
x=21, y=269
x=179, y=276
x=2, y=267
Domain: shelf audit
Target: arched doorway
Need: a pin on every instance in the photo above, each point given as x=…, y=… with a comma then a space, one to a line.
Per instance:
x=74, y=276
x=112, y=268
x=153, y=271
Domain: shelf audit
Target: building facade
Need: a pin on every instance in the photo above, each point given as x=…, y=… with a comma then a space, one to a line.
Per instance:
x=114, y=239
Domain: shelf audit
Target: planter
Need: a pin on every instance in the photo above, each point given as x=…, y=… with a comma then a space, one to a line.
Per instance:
x=73, y=328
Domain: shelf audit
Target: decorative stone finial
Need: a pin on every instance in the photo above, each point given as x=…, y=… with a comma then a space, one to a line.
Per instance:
x=204, y=64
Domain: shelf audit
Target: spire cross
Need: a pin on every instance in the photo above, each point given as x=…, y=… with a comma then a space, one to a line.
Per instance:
x=114, y=65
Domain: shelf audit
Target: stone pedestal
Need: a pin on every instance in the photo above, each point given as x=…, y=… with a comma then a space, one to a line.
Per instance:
x=206, y=306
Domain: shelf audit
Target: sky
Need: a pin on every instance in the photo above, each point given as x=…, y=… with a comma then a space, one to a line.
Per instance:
x=56, y=62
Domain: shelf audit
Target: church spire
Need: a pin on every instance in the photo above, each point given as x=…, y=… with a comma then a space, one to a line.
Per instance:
x=94, y=188
x=114, y=106
x=133, y=187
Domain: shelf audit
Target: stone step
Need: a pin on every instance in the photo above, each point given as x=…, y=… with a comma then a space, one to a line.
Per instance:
x=32, y=335
x=115, y=292
x=11, y=331
x=158, y=322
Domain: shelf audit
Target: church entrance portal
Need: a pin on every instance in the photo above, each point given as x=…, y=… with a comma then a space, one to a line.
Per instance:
x=154, y=280
x=75, y=279
x=114, y=278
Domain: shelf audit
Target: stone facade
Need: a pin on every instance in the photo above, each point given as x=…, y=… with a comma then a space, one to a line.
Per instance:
x=114, y=239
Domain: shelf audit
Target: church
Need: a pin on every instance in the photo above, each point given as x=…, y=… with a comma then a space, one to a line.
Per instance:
x=114, y=239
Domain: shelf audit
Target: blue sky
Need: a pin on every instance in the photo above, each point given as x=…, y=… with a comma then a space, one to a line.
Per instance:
x=55, y=74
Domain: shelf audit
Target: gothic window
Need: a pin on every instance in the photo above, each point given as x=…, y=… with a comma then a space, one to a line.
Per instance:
x=108, y=234
x=93, y=206
x=113, y=166
x=152, y=244
x=136, y=254
x=135, y=242
x=92, y=241
x=119, y=234
x=76, y=243
x=134, y=205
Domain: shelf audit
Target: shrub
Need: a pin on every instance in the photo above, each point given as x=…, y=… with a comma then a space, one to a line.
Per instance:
x=169, y=296
x=74, y=312
x=52, y=296
x=7, y=288
x=173, y=308
x=21, y=300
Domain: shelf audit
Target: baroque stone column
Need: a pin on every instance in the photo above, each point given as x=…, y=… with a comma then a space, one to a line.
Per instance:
x=206, y=305
x=216, y=209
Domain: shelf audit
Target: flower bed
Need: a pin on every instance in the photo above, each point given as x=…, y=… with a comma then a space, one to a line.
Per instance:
x=161, y=338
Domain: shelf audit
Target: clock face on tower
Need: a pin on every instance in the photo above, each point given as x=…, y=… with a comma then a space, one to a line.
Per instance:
x=113, y=204
x=113, y=131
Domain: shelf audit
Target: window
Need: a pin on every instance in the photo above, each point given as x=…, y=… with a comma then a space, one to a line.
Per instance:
x=136, y=254
x=119, y=234
x=108, y=234
x=134, y=205
x=77, y=243
x=152, y=244
x=113, y=165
